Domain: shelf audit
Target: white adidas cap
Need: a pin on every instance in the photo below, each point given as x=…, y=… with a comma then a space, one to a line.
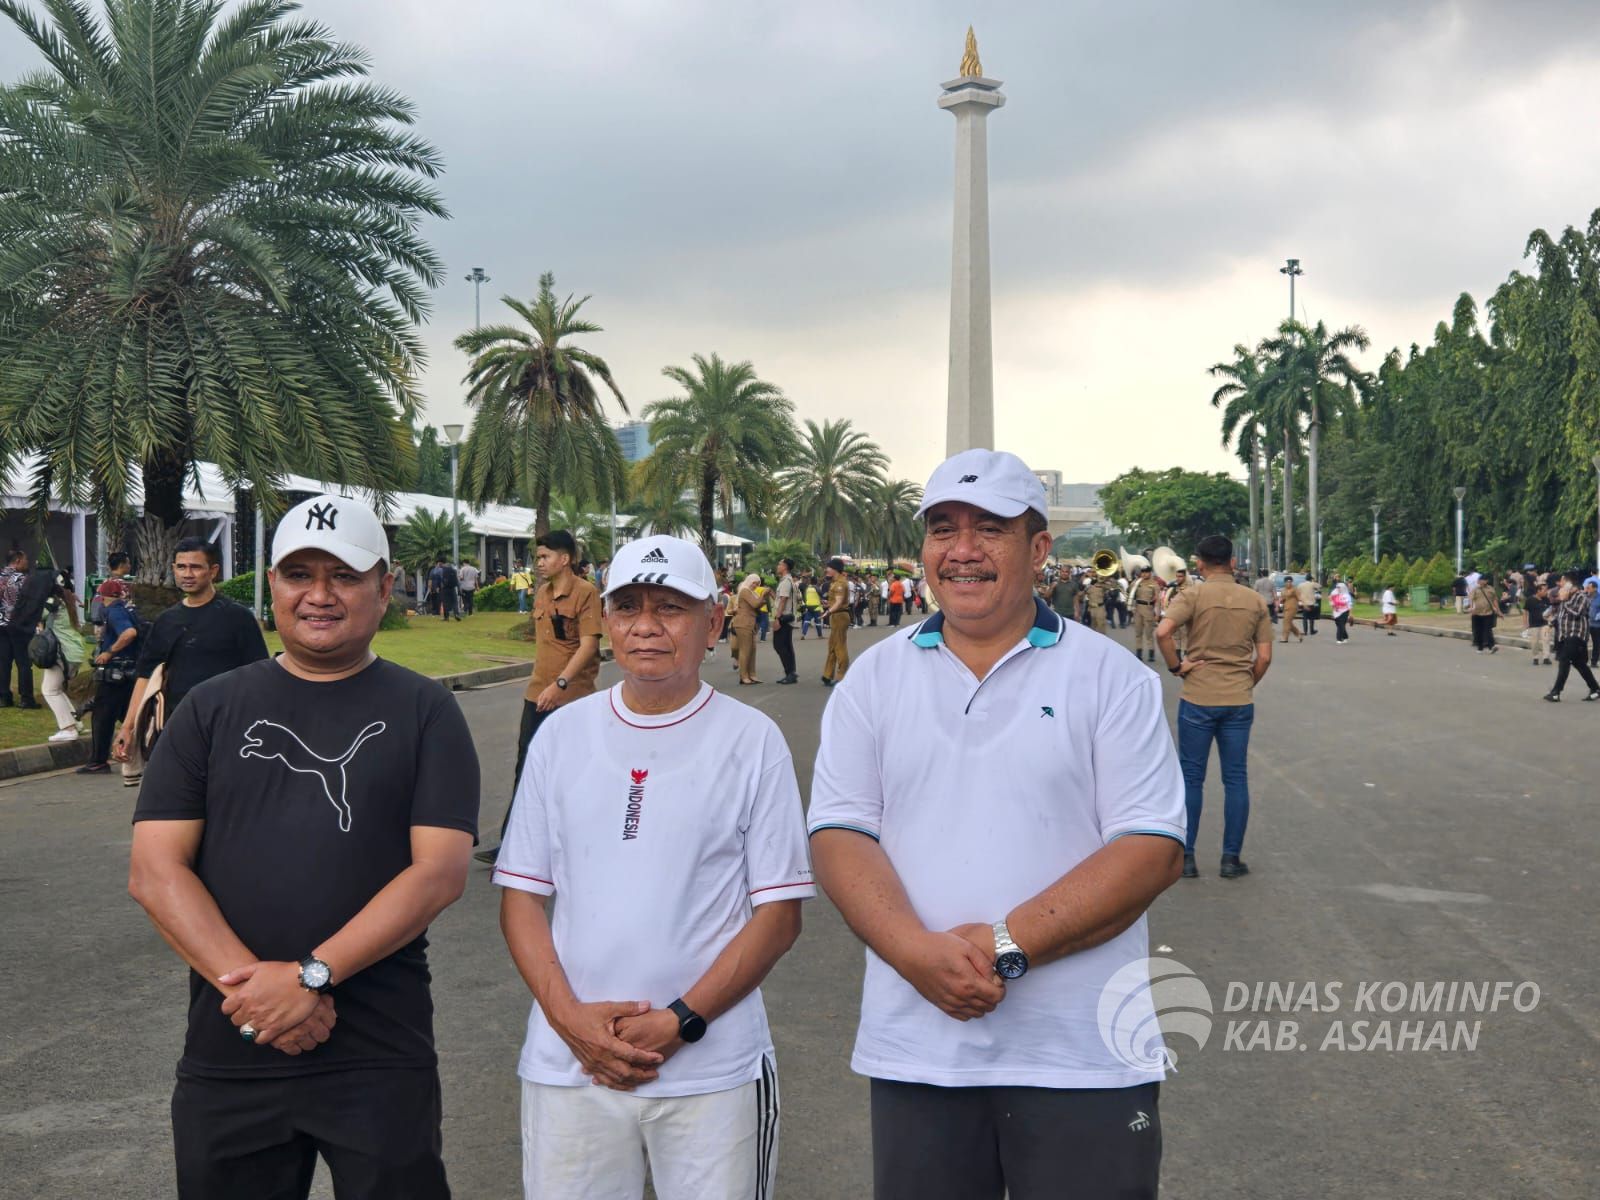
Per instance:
x=345, y=528
x=664, y=561
x=993, y=480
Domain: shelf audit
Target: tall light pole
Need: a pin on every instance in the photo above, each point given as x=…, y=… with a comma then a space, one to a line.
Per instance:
x=1292, y=269
x=452, y=435
x=477, y=279
x=1375, y=510
x=1461, y=494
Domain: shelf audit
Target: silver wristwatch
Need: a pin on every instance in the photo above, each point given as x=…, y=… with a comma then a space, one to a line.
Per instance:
x=1009, y=960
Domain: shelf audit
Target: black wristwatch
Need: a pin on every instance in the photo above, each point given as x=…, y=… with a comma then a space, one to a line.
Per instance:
x=315, y=975
x=691, y=1025
x=562, y=683
x=1177, y=670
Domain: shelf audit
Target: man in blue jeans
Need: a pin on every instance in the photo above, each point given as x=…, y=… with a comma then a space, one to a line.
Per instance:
x=1229, y=631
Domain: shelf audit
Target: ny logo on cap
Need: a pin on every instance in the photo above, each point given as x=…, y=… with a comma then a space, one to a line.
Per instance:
x=323, y=514
x=969, y=479
x=654, y=556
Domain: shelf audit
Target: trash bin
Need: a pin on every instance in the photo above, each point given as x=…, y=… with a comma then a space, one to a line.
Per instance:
x=1419, y=597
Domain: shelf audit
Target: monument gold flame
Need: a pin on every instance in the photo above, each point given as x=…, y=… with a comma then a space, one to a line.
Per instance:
x=971, y=68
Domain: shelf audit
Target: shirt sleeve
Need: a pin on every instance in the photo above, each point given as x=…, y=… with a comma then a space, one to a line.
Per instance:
x=777, y=858
x=445, y=795
x=1179, y=608
x=174, y=785
x=1138, y=786
x=846, y=786
x=589, y=614
x=524, y=861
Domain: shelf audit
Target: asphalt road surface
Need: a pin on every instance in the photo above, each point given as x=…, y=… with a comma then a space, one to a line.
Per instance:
x=1419, y=817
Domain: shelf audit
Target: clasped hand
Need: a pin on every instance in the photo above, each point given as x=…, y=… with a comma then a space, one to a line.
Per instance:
x=285, y=1016
x=954, y=970
x=618, y=1043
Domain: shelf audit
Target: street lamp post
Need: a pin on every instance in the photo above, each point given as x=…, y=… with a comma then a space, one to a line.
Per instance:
x=477, y=279
x=1292, y=270
x=1375, y=510
x=452, y=435
x=1461, y=494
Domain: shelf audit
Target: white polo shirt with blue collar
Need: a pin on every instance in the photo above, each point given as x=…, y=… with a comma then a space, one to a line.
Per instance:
x=983, y=793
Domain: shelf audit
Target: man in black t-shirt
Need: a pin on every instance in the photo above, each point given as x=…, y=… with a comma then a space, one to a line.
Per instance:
x=203, y=635
x=302, y=822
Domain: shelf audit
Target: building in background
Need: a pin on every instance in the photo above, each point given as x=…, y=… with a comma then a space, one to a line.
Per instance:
x=634, y=438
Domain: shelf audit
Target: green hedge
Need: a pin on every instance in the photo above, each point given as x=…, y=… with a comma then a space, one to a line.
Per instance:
x=497, y=597
x=242, y=588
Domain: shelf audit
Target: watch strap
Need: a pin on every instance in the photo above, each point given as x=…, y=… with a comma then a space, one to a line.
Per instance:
x=1003, y=943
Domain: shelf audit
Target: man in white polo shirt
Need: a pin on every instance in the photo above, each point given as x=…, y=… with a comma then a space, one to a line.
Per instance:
x=995, y=836
x=667, y=819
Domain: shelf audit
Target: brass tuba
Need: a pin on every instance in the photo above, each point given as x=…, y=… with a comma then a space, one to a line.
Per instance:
x=1105, y=564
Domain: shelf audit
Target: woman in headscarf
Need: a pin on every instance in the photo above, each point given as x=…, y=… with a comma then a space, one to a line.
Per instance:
x=1341, y=601
x=747, y=606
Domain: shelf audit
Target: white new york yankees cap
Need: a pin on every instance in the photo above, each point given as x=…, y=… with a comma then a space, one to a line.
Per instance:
x=345, y=528
x=993, y=480
x=667, y=562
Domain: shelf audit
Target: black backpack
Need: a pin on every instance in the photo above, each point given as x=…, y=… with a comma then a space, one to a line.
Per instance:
x=44, y=648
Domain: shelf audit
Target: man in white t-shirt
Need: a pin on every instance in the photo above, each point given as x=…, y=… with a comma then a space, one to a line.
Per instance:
x=1390, y=609
x=996, y=802
x=667, y=819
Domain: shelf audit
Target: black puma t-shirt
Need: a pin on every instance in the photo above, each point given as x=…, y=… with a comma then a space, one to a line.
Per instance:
x=309, y=792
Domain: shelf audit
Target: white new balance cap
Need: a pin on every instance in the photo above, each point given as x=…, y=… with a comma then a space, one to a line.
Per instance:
x=993, y=480
x=664, y=561
x=346, y=529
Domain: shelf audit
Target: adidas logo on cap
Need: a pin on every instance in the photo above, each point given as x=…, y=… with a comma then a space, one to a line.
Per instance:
x=655, y=556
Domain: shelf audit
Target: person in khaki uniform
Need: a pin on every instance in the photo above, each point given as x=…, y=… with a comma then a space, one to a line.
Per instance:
x=1180, y=583
x=747, y=604
x=1230, y=649
x=837, y=613
x=566, y=660
x=1095, y=597
x=1145, y=593
x=1289, y=605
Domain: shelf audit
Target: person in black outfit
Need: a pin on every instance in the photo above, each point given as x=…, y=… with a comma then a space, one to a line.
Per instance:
x=204, y=635
x=16, y=630
x=305, y=820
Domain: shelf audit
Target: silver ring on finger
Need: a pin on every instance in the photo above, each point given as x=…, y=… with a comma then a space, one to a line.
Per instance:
x=247, y=1031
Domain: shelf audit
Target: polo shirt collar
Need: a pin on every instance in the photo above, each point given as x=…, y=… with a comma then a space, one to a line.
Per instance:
x=1046, y=631
x=566, y=587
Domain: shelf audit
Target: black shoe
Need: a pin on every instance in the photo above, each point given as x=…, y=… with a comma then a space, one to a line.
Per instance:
x=94, y=769
x=488, y=856
x=1190, y=871
x=1232, y=868
x=826, y=682
x=29, y=704
x=1553, y=697
x=1592, y=696
x=1494, y=649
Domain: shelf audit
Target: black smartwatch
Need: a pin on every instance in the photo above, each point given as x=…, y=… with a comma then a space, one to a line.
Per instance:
x=691, y=1025
x=562, y=683
x=315, y=975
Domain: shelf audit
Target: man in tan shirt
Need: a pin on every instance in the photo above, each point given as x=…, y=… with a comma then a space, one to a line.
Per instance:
x=1230, y=648
x=566, y=656
x=1145, y=594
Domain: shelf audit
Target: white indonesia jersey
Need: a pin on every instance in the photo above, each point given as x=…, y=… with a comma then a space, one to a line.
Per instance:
x=983, y=794
x=658, y=835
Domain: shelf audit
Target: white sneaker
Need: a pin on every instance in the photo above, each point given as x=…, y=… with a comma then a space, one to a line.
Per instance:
x=65, y=735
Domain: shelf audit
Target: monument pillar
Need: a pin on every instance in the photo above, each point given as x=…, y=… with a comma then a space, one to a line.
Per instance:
x=970, y=413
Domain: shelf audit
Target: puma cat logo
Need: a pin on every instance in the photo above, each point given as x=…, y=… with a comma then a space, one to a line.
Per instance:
x=269, y=740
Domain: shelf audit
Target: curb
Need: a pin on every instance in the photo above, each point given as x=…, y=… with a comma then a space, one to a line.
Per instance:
x=1459, y=635
x=58, y=756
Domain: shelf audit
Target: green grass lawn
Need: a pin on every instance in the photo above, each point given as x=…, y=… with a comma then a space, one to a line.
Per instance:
x=430, y=646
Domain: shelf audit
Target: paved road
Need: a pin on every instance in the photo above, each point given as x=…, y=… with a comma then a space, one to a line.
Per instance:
x=1419, y=816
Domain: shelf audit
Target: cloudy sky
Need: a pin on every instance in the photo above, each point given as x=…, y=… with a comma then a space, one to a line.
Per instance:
x=772, y=182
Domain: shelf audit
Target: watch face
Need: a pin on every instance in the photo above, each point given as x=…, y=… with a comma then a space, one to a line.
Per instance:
x=1013, y=964
x=693, y=1029
x=315, y=974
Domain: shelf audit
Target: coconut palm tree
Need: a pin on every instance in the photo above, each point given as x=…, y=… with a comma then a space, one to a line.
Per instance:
x=1312, y=377
x=539, y=425
x=724, y=439
x=892, y=519
x=653, y=510
x=209, y=249
x=826, y=493
x=424, y=539
x=1243, y=401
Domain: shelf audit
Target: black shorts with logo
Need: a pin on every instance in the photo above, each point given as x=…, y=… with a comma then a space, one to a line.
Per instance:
x=378, y=1129
x=1025, y=1143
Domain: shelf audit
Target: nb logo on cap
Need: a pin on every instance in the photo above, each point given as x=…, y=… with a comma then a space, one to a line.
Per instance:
x=969, y=479
x=654, y=556
x=324, y=515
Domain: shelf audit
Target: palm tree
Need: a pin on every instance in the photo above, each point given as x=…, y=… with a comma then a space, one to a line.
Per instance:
x=424, y=539
x=654, y=510
x=1243, y=401
x=209, y=249
x=827, y=492
x=539, y=427
x=723, y=439
x=1311, y=375
x=892, y=518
